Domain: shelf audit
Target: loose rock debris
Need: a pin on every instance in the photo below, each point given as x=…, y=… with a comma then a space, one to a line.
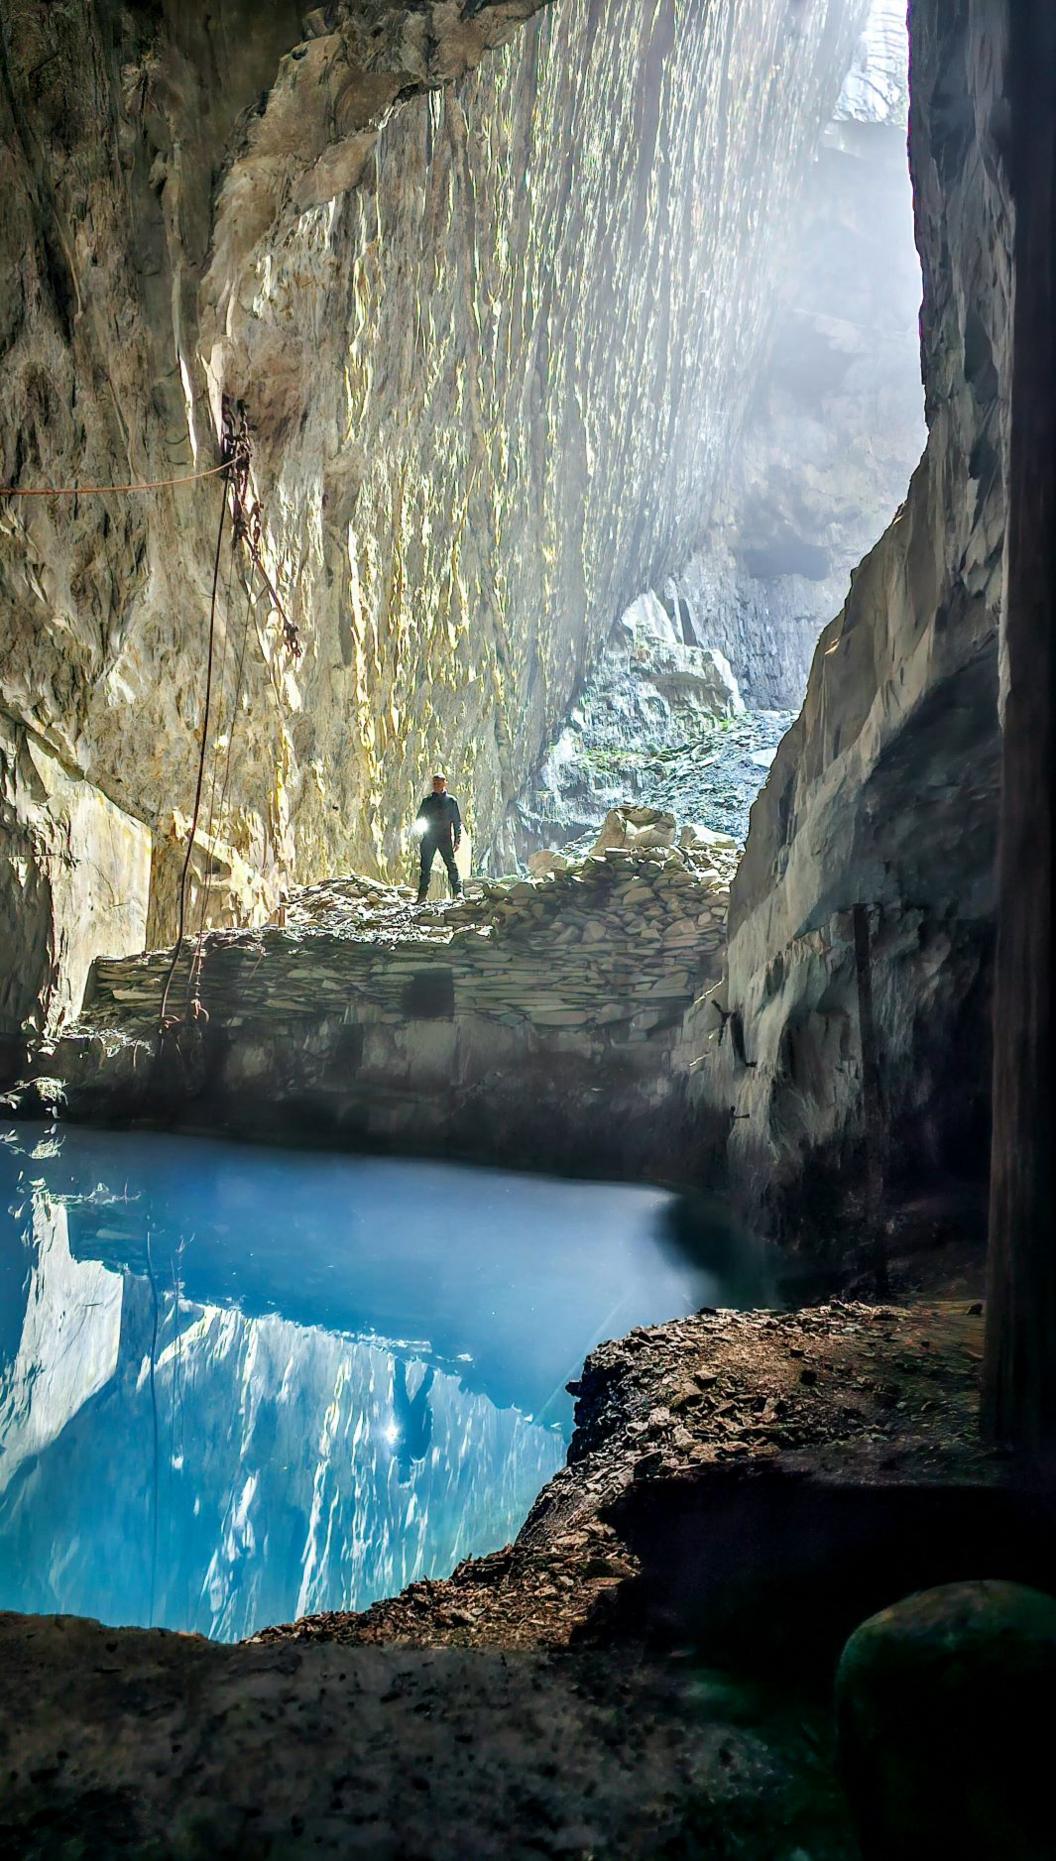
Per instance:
x=844, y=1391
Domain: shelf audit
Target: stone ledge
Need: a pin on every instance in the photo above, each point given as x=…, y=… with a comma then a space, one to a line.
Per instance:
x=723, y=1466
x=488, y=1027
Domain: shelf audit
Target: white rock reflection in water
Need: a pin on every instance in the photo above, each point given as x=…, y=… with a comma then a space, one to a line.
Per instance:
x=69, y=1340
x=244, y=1383
x=296, y=1469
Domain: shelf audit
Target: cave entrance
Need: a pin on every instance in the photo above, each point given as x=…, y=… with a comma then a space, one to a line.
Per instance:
x=686, y=701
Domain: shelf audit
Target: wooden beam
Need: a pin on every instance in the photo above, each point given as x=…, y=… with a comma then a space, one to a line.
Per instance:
x=1019, y=1397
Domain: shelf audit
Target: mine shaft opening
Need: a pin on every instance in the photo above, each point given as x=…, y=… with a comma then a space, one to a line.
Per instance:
x=684, y=704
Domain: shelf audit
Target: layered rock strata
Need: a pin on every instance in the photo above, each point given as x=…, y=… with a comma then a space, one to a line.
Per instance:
x=883, y=794
x=538, y=1022
x=492, y=341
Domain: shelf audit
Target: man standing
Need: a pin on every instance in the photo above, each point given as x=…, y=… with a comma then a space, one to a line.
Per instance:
x=441, y=825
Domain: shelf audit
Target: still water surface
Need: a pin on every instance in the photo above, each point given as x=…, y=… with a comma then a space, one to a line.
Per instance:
x=239, y=1384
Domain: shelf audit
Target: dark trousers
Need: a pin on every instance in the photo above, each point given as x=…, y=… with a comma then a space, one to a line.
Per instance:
x=432, y=844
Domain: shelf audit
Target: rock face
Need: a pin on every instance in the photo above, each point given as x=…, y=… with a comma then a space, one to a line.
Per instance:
x=659, y=724
x=650, y=696
x=883, y=794
x=493, y=342
x=538, y=1024
x=836, y=421
x=74, y=879
x=729, y=1463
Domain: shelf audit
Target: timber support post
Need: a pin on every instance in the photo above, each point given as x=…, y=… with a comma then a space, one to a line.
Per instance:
x=872, y=1108
x=1019, y=1372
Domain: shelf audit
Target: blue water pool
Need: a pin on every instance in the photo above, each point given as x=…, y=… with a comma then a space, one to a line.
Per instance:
x=241, y=1384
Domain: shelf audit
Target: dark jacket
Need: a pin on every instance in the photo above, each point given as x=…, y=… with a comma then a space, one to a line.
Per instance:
x=442, y=815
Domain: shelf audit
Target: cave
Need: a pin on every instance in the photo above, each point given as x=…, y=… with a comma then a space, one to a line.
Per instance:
x=558, y=1358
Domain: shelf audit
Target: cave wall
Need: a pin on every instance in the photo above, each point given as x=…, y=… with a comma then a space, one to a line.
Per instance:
x=74, y=879
x=493, y=329
x=884, y=793
x=836, y=420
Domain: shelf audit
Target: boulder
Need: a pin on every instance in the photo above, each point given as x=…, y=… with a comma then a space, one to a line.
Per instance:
x=543, y=865
x=943, y=1705
x=694, y=836
x=636, y=829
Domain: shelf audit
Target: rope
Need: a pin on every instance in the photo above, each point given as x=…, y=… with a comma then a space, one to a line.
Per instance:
x=87, y=491
x=201, y=766
x=246, y=528
x=217, y=815
x=238, y=694
x=192, y=997
x=155, y=1482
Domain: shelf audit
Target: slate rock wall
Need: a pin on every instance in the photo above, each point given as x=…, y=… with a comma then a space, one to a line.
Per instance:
x=884, y=792
x=493, y=333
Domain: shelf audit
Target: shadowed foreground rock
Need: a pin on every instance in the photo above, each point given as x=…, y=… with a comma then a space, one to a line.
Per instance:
x=944, y=1705
x=622, y=1681
x=150, y=1744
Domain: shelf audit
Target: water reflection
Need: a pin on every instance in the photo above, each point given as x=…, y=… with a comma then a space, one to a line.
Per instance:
x=238, y=1385
x=412, y=1423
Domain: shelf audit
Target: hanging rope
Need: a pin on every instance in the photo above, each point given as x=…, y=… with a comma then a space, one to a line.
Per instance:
x=192, y=996
x=236, y=700
x=90, y=491
x=246, y=513
x=194, y=1001
x=247, y=529
x=162, y=1013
